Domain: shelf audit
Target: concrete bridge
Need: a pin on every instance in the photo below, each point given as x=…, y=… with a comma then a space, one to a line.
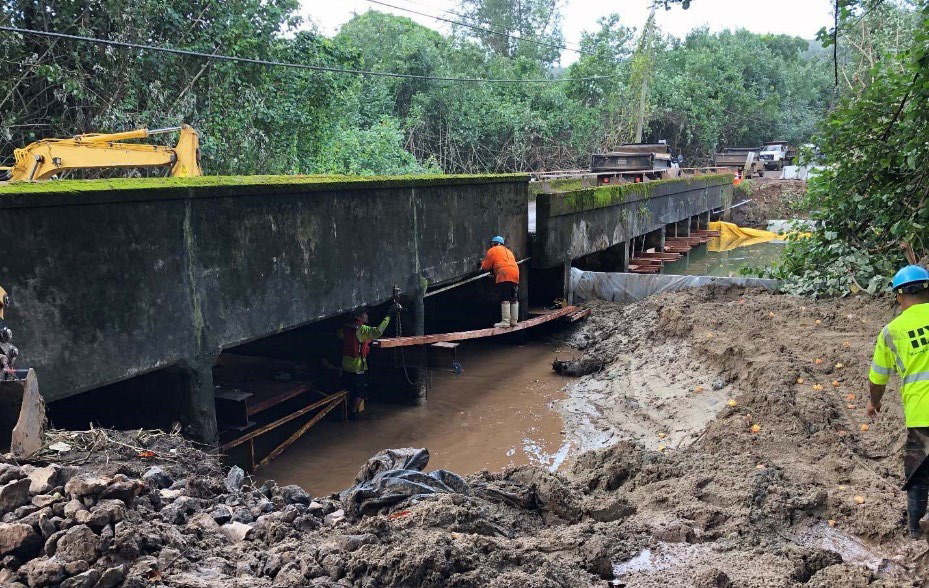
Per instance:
x=112, y=279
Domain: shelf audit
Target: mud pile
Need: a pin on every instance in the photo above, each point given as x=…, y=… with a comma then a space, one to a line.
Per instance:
x=752, y=405
x=768, y=200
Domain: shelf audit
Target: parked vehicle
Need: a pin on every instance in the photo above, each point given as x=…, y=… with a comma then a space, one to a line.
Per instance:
x=744, y=159
x=776, y=154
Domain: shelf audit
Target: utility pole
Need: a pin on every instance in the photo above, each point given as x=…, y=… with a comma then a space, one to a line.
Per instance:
x=643, y=55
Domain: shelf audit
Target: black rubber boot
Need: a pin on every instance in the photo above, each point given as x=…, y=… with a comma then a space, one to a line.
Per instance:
x=917, y=497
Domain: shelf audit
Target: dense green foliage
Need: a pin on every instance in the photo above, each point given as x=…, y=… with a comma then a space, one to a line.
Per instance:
x=870, y=198
x=705, y=91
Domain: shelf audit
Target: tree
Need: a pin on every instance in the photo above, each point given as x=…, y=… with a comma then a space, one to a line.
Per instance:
x=500, y=26
x=870, y=196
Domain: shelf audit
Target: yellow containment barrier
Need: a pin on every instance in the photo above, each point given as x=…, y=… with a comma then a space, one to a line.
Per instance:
x=732, y=236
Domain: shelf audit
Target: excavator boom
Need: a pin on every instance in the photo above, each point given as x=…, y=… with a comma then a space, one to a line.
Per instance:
x=43, y=159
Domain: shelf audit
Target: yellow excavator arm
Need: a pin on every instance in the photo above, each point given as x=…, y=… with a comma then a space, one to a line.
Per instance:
x=43, y=159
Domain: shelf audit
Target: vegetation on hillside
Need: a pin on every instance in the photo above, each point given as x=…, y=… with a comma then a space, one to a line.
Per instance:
x=704, y=91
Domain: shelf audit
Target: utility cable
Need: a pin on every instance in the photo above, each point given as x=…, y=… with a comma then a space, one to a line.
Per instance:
x=320, y=68
x=477, y=28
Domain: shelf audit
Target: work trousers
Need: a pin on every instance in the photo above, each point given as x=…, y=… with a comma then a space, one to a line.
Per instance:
x=917, y=498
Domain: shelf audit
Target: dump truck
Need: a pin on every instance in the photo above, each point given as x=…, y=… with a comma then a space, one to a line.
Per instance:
x=635, y=161
x=744, y=159
x=777, y=154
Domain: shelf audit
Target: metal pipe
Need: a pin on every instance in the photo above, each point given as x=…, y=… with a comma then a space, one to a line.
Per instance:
x=471, y=279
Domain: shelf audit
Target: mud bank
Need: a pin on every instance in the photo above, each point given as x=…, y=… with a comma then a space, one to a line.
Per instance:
x=769, y=199
x=751, y=406
x=720, y=504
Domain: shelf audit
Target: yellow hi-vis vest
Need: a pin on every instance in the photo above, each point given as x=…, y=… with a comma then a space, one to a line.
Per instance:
x=903, y=345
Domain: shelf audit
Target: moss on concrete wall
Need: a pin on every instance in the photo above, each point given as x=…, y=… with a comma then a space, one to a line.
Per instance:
x=603, y=196
x=301, y=182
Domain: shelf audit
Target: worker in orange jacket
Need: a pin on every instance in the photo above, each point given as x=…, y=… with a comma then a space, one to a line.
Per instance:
x=502, y=263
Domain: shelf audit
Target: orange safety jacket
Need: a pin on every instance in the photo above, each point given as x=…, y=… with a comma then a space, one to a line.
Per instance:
x=502, y=262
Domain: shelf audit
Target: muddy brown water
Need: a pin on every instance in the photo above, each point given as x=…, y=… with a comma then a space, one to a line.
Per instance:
x=499, y=412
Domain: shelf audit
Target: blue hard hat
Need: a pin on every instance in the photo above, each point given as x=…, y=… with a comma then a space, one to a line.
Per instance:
x=497, y=239
x=909, y=275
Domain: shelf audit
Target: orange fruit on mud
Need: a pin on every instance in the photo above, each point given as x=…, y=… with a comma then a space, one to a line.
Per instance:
x=846, y=344
x=661, y=435
x=771, y=314
x=841, y=433
x=800, y=380
x=756, y=428
x=851, y=407
x=839, y=366
x=732, y=403
x=819, y=322
x=849, y=397
x=835, y=383
x=698, y=389
x=864, y=428
x=818, y=361
x=832, y=522
x=859, y=499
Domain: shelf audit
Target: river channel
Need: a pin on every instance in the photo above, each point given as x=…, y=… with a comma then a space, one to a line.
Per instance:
x=498, y=412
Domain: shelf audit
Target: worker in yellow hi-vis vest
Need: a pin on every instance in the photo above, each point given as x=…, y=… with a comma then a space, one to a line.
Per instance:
x=903, y=346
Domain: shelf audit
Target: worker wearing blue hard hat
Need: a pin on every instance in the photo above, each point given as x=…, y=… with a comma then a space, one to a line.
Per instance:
x=903, y=347
x=502, y=263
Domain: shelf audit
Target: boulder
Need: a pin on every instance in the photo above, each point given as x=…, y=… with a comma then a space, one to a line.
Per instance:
x=111, y=578
x=204, y=523
x=43, y=571
x=235, y=531
x=125, y=490
x=78, y=543
x=42, y=480
x=222, y=514
x=157, y=478
x=10, y=472
x=85, y=485
x=43, y=500
x=234, y=479
x=19, y=539
x=294, y=494
x=14, y=494
x=73, y=507
x=86, y=579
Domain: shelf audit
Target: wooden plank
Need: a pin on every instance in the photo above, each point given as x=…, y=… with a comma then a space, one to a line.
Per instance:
x=283, y=420
x=577, y=315
x=297, y=434
x=445, y=345
x=477, y=334
x=270, y=393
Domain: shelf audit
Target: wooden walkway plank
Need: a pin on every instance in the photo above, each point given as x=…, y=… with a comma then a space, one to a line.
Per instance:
x=477, y=334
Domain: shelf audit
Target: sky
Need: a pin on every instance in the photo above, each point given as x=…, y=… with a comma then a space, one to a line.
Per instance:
x=802, y=18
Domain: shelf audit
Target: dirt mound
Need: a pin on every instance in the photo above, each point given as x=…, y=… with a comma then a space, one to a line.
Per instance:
x=738, y=415
x=769, y=199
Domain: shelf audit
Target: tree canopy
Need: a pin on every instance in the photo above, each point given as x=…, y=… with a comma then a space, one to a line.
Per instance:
x=262, y=119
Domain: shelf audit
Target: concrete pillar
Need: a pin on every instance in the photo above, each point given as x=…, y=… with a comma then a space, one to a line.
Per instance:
x=682, y=228
x=199, y=410
x=523, y=292
x=568, y=291
x=655, y=239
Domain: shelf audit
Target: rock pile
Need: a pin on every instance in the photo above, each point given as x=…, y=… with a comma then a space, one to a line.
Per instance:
x=64, y=527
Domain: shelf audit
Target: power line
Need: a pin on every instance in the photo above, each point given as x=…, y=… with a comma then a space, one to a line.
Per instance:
x=320, y=68
x=477, y=28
